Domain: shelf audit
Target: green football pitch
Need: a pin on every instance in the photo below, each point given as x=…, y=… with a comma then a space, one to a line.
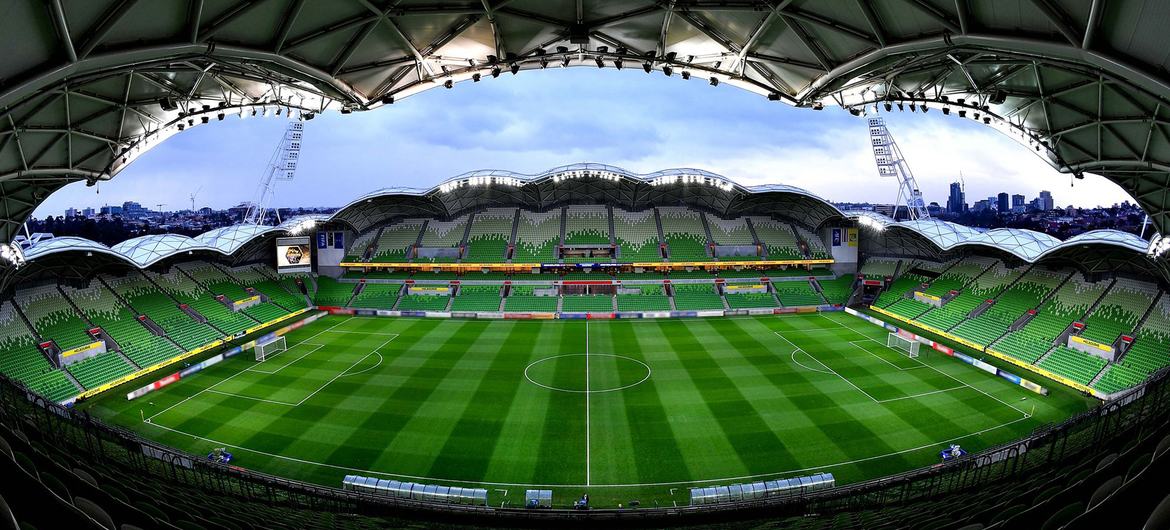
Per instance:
x=634, y=409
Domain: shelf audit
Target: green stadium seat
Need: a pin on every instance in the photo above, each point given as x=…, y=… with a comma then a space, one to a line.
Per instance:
x=537, y=237
x=422, y=302
x=136, y=341
x=488, y=240
x=795, y=293
x=636, y=235
x=587, y=303
x=750, y=300
x=685, y=237
x=778, y=237
x=377, y=296
x=696, y=297
x=331, y=292
x=587, y=225
x=522, y=299
x=395, y=240
x=53, y=317
x=99, y=369
x=838, y=290
x=485, y=298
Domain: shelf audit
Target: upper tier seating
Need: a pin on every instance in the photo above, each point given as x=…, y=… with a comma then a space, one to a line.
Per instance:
x=695, y=297
x=878, y=268
x=396, y=240
x=778, y=238
x=816, y=245
x=685, y=237
x=143, y=296
x=107, y=312
x=730, y=231
x=21, y=360
x=636, y=234
x=587, y=225
x=443, y=234
x=53, y=317
x=477, y=298
x=1009, y=306
x=1120, y=310
x=215, y=280
x=959, y=275
x=537, y=236
x=980, y=289
x=795, y=293
x=377, y=296
x=359, y=245
x=488, y=240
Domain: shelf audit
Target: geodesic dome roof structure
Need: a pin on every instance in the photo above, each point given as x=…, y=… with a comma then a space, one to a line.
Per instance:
x=88, y=86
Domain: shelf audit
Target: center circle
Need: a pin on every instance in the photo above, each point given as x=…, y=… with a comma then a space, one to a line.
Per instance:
x=587, y=374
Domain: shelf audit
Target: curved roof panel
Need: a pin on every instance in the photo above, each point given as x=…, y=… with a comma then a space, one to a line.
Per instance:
x=66, y=244
x=145, y=251
x=229, y=238
x=1028, y=245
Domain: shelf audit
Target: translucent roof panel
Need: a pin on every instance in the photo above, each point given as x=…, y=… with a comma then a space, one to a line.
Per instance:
x=1026, y=244
x=147, y=250
x=942, y=233
x=230, y=238
x=65, y=244
x=1108, y=237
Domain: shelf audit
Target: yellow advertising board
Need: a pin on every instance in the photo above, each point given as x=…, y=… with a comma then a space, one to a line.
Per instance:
x=1092, y=344
x=81, y=349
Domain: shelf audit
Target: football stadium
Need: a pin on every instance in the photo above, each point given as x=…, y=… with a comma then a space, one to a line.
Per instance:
x=585, y=345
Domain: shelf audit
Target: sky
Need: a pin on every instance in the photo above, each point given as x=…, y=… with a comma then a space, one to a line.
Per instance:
x=538, y=120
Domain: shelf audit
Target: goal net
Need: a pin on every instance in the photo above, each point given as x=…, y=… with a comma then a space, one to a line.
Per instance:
x=270, y=348
x=898, y=342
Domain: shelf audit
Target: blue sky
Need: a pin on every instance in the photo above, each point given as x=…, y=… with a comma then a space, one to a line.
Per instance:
x=542, y=119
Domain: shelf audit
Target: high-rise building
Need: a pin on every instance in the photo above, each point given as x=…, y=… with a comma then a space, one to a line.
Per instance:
x=981, y=205
x=1046, y=201
x=957, y=201
x=70, y=213
x=1017, y=203
x=88, y=212
x=1002, y=202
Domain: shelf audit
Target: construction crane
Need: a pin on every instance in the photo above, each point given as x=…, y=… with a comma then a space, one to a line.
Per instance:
x=193, y=195
x=282, y=165
x=891, y=164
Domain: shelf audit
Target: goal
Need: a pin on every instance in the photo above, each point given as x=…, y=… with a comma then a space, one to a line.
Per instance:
x=267, y=349
x=898, y=342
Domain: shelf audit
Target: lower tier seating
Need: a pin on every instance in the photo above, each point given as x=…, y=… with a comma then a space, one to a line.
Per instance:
x=587, y=303
x=750, y=300
x=696, y=297
x=795, y=293
x=1076, y=365
x=423, y=302
x=99, y=369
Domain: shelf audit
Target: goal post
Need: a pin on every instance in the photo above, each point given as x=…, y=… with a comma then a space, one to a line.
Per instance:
x=898, y=342
x=269, y=348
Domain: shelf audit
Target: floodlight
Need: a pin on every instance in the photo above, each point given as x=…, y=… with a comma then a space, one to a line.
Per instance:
x=647, y=66
x=962, y=113
x=888, y=106
x=714, y=81
x=205, y=118
x=565, y=61
x=515, y=67
x=600, y=63
x=667, y=70
x=947, y=111
x=476, y=77
x=773, y=96
x=219, y=116
x=448, y=84
x=854, y=111
x=686, y=74
x=495, y=71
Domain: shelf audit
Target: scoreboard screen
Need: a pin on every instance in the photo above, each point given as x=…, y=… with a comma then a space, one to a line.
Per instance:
x=293, y=254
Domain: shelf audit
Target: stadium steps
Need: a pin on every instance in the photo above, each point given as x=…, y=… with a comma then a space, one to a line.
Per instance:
x=88, y=322
x=670, y=297
x=1045, y=355
x=512, y=238
x=412, y=251
x=373, y=248
x=663, y=247
x=1146, y=316
x=801, y=244
x=1097, y=302
x=707, y=230
x=772, y=292
x=127, y=360
x=466, y=236
x=723, y=298
x=755, y=237
x=612, y=236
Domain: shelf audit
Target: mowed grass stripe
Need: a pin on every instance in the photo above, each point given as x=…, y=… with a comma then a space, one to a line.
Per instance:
x=758, y=447
x=637, y=443
x=468, y=450
x=561, y=457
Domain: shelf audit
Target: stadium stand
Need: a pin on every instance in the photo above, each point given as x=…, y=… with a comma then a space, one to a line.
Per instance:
x=477, y=298
x=990, y=279
x=537, y=237
x=444, y=234
x=23, y=361
x=636, y=234
x=190, y=292
x=795, y=293
x=357, y=248
x=1064, y=307
x=750, y=300
x=423, y=302
x=730, y=231
x=522, y=299
x=648, y=298
x=377, y=296
x=1119, y=310
x=1009, y=306
x=253, y=276
x=695, y=297
x=683, y=230
x=878, y=268
x=587, y=303
x=816, y=245
x=143, y=296
x=587, y=225
x=1148, y=354
x=53, y=317
x=778, y=238
x=99, y=369
x=331, y=292
x=1078, y=366
x=107, y=312
x=837, y=291
x=488, y=240
x=396, y=240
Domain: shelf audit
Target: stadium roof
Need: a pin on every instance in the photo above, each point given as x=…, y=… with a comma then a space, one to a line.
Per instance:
x=586, y=184
x=88, y=86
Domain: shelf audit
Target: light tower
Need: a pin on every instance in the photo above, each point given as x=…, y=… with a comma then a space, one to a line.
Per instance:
x=891, y=164
x=281, y=166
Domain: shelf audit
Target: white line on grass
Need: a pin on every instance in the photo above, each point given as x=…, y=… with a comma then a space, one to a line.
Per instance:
x=896, y=367
x=588, y=468
x=964, y=383
x=266, y=359
x=633, y=485
x=152, y=416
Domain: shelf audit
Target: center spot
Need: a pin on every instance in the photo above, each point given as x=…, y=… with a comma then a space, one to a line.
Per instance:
x=606, y=373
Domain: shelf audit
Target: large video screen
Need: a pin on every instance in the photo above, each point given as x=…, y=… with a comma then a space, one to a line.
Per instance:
x=293, y=254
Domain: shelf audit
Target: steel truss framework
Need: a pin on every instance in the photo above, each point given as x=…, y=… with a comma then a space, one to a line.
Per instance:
x=88, y=86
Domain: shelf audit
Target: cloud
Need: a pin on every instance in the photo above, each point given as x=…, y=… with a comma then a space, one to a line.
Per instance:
x=540, y=120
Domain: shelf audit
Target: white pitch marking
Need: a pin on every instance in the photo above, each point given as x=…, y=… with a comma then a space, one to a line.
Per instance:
x=292, y=362
x=588, y=467
x=854, y=343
